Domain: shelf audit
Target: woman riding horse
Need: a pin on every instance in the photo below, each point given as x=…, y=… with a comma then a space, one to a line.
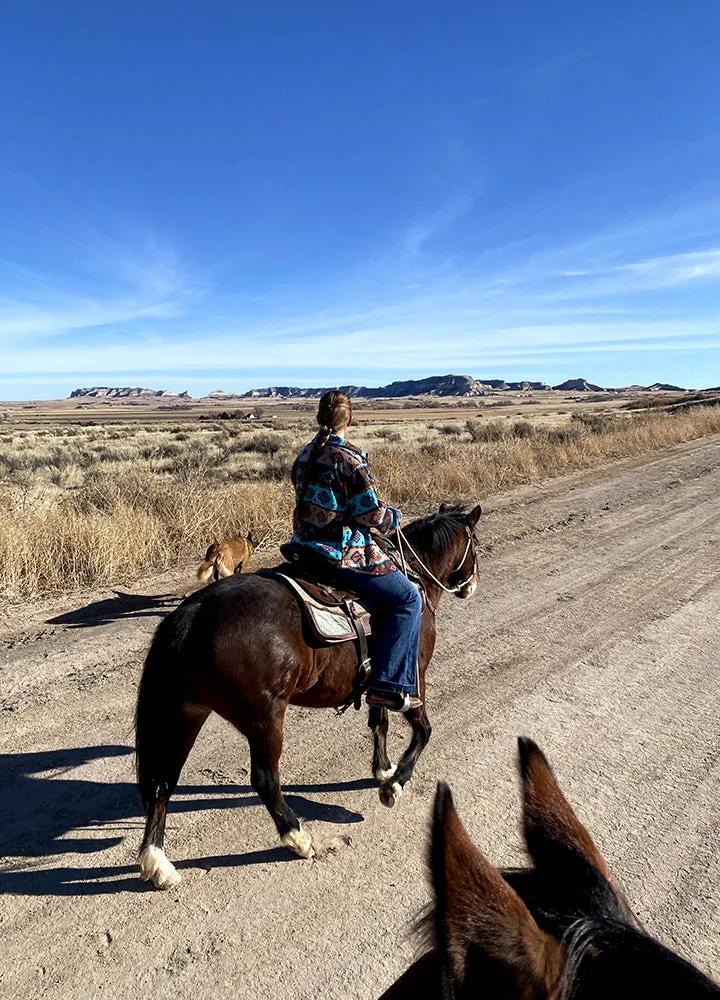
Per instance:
x=336, y=510
x=239, y=647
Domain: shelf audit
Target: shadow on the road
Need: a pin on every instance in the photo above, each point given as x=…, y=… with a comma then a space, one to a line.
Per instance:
x=115, y=608
x=45, y=814
x=120, y=878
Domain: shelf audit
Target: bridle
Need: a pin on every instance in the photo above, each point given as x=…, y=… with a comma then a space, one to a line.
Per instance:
x=469, y=548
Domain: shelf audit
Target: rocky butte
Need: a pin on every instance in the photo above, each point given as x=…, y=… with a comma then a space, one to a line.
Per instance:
x=108, y=392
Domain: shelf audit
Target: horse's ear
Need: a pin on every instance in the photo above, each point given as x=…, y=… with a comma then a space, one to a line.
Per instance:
x=557, y=841
x=251, y=541
x=474, y=515
x=549, y=821
x=484, y=932
x=444, y=507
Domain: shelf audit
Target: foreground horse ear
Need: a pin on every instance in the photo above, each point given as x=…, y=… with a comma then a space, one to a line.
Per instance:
x=474, y=515
x=555, y=837
x=484, y=932
x=549, y=821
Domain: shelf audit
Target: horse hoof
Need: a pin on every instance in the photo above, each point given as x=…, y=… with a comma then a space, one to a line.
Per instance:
x=385, y=775
x=390, y=794
x=155, y=868
x=299, y=842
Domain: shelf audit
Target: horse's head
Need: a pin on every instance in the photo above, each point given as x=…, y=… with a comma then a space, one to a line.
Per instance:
x=442, y=549
x=558, y=931
x=465, y=577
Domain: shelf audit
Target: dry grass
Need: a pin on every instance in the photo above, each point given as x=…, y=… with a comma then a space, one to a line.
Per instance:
x=82, y=505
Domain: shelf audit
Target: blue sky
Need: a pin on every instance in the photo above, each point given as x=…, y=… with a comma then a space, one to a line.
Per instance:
x=202, y=195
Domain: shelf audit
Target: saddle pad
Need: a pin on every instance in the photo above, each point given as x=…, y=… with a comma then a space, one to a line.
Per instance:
x=328, y=624
x=331, y=625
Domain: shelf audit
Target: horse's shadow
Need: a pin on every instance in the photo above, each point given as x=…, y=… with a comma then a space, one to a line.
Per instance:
x=45, y=815
x=113, y=609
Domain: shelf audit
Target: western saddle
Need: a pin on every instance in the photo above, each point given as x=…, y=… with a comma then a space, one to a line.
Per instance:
x=331, y=616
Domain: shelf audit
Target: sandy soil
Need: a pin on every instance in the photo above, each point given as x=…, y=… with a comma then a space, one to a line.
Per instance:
x=595, y=631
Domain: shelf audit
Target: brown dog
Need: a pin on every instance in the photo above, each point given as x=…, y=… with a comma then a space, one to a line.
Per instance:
x=227, y=556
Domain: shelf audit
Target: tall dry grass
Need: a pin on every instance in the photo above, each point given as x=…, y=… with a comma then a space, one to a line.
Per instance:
x=94, y=505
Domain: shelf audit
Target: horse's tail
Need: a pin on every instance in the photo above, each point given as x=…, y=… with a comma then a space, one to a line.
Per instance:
x=206, y=570
x=161, y=694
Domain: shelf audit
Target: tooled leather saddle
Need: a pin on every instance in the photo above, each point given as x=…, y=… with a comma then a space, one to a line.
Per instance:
x=331, y=615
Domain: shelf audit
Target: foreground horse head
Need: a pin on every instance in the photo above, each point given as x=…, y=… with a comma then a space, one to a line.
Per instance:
x=558, y=931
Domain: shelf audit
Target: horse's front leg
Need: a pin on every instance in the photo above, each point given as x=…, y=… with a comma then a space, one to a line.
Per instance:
x=383, y=767
x=391, y=789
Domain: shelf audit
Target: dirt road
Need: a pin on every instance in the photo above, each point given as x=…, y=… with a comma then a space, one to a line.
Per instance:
x=595, y=630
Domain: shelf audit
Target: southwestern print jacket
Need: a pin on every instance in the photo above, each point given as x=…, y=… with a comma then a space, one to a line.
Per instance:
x=336, y=505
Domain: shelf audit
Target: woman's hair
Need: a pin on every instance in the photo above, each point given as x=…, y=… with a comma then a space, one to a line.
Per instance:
x=334, y=411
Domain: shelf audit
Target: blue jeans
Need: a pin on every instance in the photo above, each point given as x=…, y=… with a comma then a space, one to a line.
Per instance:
x=396, y=609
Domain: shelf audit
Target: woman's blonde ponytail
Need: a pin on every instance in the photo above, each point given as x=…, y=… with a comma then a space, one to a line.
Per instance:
x=334, y=412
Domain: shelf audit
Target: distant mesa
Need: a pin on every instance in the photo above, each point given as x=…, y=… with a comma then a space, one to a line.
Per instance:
x=221, y=394
x=435, y=385
x=295, y=392
x=108, y=392
x=579, y=385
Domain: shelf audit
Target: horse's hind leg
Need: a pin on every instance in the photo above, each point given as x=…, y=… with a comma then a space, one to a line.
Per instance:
x=391, y=790
x=382, y=766
x=161, y=753
x=265, y=749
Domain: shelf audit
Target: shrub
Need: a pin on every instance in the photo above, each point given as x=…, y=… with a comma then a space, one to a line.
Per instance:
x=523, y=429
x=277, y=468
x=435, y=449
x=492, y=430
x=264, y=444
x=564, y=435
x=597, y=423
x=387, y=434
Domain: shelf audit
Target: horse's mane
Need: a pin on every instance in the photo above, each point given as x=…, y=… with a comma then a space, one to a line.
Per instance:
x=627, y=950
x=432, y=534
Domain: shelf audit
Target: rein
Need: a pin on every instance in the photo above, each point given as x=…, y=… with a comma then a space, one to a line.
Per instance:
x=402, y=541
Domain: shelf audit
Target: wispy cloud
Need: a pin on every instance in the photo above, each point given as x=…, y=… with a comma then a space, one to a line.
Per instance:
x=519, y=304
x=131, y=284
x=418, y=235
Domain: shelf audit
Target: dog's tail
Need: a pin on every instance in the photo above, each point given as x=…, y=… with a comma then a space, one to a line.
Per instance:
x=209, y=567
x=206, y=570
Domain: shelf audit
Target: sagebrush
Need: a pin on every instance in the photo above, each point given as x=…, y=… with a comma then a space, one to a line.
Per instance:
x=82, y=505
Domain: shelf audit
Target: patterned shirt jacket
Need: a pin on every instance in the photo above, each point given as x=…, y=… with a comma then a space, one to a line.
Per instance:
x=336, y=505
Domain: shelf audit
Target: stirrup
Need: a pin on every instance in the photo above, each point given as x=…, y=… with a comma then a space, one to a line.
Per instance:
x=393, y=701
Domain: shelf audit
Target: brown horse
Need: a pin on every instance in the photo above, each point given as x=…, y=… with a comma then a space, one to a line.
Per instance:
x=238, y=648
x=561, y=930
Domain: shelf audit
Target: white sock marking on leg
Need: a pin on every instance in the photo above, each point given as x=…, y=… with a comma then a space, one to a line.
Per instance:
x=299, y=842
x=156, y=868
